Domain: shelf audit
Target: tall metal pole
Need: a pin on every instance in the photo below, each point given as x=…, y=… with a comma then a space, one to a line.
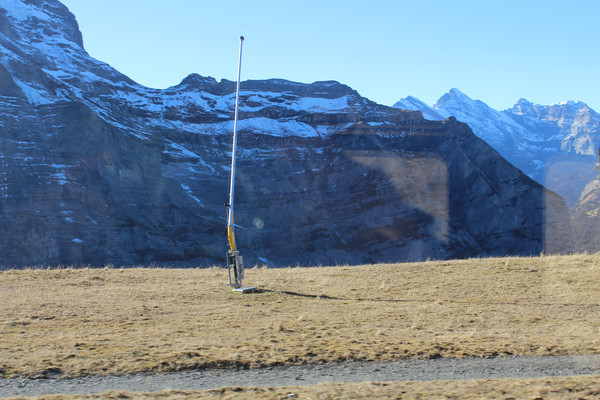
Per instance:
x=235, y=262
x=234, y=147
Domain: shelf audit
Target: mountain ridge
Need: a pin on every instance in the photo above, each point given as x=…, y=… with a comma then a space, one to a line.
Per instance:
x=97, y=169
x=554, y=144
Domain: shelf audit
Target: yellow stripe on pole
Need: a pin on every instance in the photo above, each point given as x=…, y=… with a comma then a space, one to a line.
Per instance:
x=231, y=237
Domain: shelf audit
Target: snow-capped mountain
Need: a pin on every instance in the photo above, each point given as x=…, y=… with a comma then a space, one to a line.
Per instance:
x=554, y=145
x=97, y=169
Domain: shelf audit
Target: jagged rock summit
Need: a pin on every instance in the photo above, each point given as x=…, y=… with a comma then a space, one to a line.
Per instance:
x=97, y=169
x=578, y=124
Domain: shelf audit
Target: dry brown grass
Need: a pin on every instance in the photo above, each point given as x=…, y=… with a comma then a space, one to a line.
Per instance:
x=101, y=321
x=582, y=387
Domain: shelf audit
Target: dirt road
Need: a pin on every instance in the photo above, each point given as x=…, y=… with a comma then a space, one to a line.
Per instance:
x=405, y=370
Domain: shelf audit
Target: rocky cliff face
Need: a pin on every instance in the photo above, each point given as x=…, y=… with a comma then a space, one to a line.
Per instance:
x=97, y=169
x=586, y=218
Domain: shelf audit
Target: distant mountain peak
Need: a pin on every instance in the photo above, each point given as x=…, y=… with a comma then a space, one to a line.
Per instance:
x=457, y=92
x=524, y=102
x=453, y=95
x=412, y=103
x=523, y=107
x=196, y=82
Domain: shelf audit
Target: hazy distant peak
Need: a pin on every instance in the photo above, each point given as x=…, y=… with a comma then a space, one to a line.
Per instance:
x=453, y=95
x=413, y=103
x=457, y=93
x=524, y=102
x=409, y=102
x=524, y=107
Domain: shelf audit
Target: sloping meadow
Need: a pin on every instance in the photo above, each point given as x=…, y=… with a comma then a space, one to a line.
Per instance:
x=74, y=322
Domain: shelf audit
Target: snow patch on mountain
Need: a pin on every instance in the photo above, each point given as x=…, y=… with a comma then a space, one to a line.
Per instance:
x=35, y=96
x=20, y=11
x=176, y=150
x=316, y=104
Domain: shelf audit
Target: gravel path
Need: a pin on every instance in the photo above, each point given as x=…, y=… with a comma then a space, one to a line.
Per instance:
x=405, y=370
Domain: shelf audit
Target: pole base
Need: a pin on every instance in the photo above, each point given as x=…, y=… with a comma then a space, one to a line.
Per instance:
x=235, y=267
x=246, y=289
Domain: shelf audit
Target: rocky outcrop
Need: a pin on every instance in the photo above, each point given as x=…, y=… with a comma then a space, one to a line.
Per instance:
x=97, y=169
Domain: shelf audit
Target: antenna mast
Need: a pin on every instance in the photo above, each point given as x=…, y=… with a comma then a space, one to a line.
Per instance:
x=235, y=262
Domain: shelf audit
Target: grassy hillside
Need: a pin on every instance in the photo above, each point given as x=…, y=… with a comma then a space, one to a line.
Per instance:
x=98, y=321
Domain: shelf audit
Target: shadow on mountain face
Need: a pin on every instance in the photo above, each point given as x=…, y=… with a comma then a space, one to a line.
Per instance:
x=359, y=197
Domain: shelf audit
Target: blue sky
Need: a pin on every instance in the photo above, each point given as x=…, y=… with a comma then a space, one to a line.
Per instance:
x=496, y=51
